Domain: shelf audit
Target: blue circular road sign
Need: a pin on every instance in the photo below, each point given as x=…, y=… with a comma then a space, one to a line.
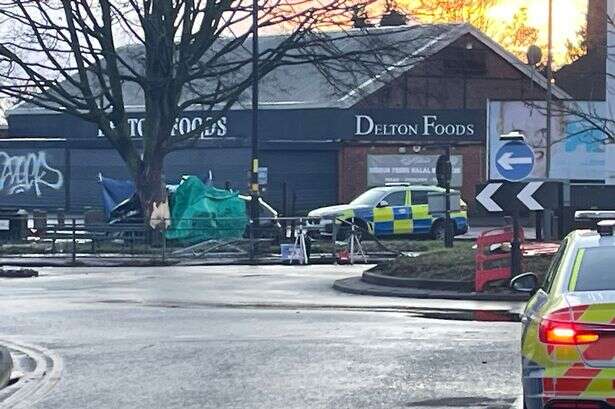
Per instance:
x=515, y=161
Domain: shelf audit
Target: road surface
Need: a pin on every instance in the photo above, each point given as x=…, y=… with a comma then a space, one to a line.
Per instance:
x=255, y=337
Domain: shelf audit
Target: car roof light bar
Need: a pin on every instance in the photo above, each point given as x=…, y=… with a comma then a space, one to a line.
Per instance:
x=594, y=215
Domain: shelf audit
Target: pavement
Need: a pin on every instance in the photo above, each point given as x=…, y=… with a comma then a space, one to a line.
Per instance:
x=256, y=337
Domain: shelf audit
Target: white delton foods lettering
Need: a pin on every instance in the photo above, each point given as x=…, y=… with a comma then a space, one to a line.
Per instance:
x=428, y=126
x=182, y=126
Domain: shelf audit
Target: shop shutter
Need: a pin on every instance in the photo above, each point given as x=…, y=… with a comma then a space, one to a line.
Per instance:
x=312, y=175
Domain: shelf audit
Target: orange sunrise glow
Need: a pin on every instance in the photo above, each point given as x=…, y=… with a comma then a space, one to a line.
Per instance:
x=569, y=16
x=500, y=19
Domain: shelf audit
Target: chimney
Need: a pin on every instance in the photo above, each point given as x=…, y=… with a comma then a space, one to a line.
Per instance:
x=596, y=26
x=393, y=18
x=585, y=78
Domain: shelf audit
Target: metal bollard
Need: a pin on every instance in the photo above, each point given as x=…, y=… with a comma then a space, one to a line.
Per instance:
x=333, y=240
x=164, y=240
x=74, y=255
x=252, y=249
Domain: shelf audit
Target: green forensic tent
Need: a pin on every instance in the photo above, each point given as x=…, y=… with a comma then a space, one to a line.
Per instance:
x=200, y=212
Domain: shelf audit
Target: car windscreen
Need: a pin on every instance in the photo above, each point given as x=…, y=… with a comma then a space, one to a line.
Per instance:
x=369, y=198
x=596, y=271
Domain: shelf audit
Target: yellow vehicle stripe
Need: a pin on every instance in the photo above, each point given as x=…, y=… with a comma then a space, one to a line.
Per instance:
x=599, y=314
x=565, y=353
x=402, y=226
x=420, y=212
x=556, y=371
x=384, y=214
x=556, y=287
x=599, y=386
x=575, y=270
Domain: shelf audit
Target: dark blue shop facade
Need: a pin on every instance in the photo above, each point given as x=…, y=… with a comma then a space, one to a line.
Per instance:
x=53, y=160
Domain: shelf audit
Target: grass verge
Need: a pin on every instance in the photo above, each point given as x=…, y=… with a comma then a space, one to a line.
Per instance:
x=458, y=263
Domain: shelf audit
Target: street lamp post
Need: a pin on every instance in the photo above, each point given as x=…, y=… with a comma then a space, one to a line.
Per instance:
x=549, y=90
x=448, y=232
x=515, y=251
x=254, y=187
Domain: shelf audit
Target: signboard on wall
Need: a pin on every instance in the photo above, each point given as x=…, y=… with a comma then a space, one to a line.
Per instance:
x=396, y=124
x=414, y=169
x=288, y=125
x=577, y=151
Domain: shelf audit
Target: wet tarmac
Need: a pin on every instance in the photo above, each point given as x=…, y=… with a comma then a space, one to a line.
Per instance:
x=258, y=337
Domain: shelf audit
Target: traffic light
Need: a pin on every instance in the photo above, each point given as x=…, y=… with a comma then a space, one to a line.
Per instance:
x=444, y=171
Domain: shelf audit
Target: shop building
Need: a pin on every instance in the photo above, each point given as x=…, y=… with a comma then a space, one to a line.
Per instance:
x=321, y=144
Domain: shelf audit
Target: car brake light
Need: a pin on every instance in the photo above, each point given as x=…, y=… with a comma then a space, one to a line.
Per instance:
x=566, y=333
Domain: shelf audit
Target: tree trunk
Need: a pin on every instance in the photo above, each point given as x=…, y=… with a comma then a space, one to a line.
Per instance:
x=152, y=192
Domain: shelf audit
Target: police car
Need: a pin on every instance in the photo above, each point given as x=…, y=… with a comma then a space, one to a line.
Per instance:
x=399, y=209
x=568, y=340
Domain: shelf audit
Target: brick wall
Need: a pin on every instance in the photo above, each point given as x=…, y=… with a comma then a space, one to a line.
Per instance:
x=441, y=82
x=353, y=167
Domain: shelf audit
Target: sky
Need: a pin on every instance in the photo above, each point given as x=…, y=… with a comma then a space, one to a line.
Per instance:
x=569, y=16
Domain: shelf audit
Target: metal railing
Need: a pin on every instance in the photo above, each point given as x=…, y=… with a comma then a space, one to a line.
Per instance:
x=76, y=238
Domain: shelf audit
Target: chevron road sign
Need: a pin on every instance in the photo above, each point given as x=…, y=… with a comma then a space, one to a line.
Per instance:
x=517, y=196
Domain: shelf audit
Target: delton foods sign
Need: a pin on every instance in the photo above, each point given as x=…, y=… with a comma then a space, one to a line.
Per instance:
x=415, y=124
x=182, y=126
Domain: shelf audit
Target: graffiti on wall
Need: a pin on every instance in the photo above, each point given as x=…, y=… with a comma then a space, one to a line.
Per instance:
x=28, y=173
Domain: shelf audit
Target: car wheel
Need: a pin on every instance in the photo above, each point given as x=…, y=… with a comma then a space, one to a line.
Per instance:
x=438, y=231
x=345, y=230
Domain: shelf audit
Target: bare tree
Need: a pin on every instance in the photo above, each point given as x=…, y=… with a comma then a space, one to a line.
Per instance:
x=79, y=57
x=516, y=36
x=474, y=12
x=592, y=118
x=5, y=104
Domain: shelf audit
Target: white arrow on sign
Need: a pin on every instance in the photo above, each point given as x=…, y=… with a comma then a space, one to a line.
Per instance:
x=526, y=196
x=484, y=197
x=507, y=161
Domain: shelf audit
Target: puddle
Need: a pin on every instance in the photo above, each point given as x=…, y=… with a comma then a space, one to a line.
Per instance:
x=469, y=315
x=18, y=273
x=461, y=402
x=430, y=313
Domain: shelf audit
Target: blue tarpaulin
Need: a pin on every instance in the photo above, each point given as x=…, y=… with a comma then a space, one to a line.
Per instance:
x=114, y=192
